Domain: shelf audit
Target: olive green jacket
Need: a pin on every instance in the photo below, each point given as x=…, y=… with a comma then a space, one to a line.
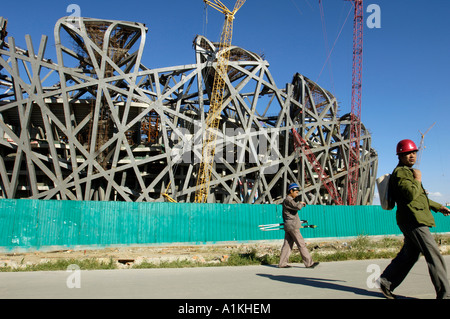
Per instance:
x=413, y=205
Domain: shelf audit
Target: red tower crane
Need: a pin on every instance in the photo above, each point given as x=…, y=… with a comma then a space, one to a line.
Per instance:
x=355, y=116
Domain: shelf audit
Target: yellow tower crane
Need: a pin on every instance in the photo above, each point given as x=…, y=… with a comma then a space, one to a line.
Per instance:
x=217, y=94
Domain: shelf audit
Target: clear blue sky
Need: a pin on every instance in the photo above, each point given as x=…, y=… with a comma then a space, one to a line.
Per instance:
x=405, y=65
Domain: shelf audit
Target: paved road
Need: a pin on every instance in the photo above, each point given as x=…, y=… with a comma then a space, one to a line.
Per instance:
x=331, y=280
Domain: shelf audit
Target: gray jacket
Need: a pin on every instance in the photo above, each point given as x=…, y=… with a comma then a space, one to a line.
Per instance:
x=290, y=214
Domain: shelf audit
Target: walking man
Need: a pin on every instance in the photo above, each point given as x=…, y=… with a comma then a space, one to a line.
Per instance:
x=292, y=226
x=414, y=219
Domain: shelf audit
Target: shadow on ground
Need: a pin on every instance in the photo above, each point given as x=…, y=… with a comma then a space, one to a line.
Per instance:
x=325, y=284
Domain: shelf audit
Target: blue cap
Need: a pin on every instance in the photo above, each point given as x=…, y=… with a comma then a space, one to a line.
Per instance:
x=292, y=186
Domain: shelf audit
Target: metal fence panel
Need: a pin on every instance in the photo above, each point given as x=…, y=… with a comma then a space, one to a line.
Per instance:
x=27, y=224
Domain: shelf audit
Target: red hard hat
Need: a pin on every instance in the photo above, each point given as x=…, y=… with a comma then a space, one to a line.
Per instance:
x=405, y=146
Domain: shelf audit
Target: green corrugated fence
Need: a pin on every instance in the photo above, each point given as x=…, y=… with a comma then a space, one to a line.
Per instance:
x=29, y=225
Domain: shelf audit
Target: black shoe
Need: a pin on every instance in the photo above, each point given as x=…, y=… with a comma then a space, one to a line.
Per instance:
x=386, y=291
x=314, y=265
x=287, y=266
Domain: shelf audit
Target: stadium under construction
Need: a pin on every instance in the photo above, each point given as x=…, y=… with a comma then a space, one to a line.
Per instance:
x=98, y=125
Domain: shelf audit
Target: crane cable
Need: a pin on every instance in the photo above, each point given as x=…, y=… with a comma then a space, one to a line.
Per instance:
x=205, y=20
x=325, y=40
x=335, y=41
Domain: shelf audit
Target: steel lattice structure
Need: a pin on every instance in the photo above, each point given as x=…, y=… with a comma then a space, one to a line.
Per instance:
x=98, y=125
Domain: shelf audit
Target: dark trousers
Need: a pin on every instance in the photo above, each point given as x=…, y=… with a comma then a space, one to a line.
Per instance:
x=418, y=239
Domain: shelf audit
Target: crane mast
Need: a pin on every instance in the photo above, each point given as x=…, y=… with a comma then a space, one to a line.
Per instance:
x=213, y=117
x=355, y=116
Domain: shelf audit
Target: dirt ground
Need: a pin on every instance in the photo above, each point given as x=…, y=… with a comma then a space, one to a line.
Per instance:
x=126, y=256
